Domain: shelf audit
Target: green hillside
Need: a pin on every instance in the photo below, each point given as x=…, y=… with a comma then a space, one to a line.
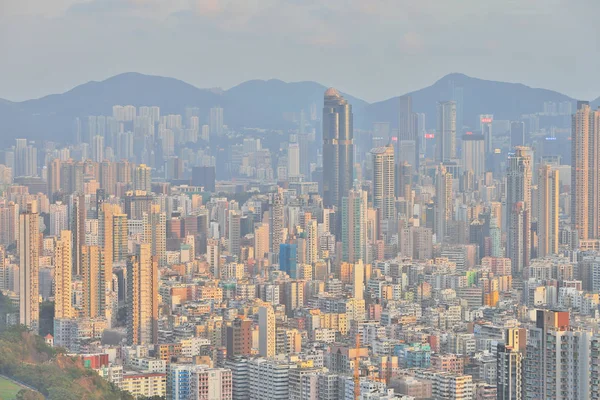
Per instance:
x=26, y=358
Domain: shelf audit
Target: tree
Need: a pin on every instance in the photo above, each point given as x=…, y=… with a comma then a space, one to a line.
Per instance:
x=46, y=318
x=6, y=308
x=26, y=394
x=61, y=393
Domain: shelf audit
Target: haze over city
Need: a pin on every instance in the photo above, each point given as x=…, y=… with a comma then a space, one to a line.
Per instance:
x=295, y=199
x=374, y=50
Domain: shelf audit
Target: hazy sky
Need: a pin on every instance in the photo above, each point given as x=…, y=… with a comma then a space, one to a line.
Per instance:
x=373, y=49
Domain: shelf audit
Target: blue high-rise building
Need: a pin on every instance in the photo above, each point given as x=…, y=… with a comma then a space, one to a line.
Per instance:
x=287, y=259
x=415, y=355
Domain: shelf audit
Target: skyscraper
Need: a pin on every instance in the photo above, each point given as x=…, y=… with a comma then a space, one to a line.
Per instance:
x=358, y=280
x=25, y=159
x=287, y=259
x=518, y=207
x=234, y=233
x=266, y=331
x=65, y=322
x=29, y=267
x=557, y=363
x=71, y=177
x=188, y=381
x=354, y=226
x=485, y=121
x=495, y=238
x=457, y=93
x=4, y=271
x=517, y=133
x=142, y=178
x=293, y=159
x=216, y=121
x=312, y=238
x=106, y=235
x=473, y=155
x=509, y=372
x=403, y=179
x=408, y=153
x=98, y=148
x=384, y=181
x=261, y=240
x=53, y=177
x=155, y=233
x=108, y=177
x=293, y=296
x=585, y=173
x=124, y=113
x=94, y=282
x=276, y=221
x=445, y=136
x=120, y=237
x=124, y=145
x=213, y=256
x=205, y=177
x=239, y=338
x=59, y=218
x=406, y=126
x=407, y=140
x=547, y=218
x=519, y=238
x=78, y=217
x=142, y=299
x=443, y=203
x=338, y=148
x=63, y=308
x=306, y=156
x=9, y=218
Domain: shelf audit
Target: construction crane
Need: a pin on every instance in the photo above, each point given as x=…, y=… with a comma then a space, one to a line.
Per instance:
x=388, y=375
x=356, y=370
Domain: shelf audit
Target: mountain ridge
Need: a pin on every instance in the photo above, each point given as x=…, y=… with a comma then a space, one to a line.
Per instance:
x=257, y=102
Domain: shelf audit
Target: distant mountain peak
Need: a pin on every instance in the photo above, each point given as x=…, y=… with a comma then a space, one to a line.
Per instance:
x=457, y=75
x=457, y=78
x=260, y=83
x=137, y=76
x=257, y=103
x=127, y=75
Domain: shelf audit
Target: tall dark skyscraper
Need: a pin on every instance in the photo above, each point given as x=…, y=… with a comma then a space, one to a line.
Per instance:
x=517, y=133
x=457, y=95
x=485, y=123
x=445, y=136
x=406, y=128
x=204, y=176
x=338, y=148
x=407, y=141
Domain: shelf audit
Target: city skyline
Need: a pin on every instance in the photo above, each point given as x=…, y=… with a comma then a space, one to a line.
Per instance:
x=283, y=239
x=272, y=100
x=150, y=218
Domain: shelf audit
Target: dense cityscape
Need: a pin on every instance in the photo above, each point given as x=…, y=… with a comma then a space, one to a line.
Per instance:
x=179, y=258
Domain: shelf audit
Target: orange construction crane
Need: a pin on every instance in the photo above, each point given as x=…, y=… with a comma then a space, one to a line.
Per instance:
x=356, y=370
